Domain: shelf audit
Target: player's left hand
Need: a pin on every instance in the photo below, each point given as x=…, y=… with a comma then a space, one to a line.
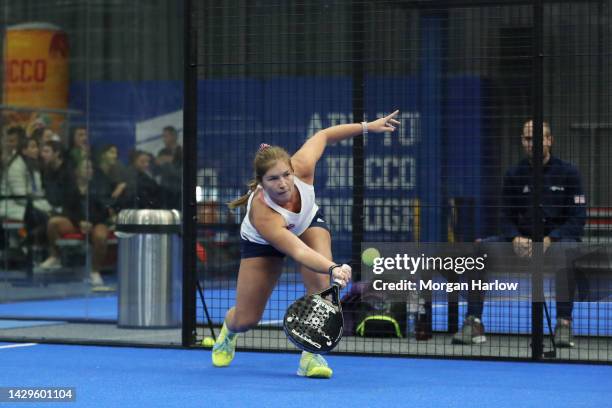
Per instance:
x=386, y=124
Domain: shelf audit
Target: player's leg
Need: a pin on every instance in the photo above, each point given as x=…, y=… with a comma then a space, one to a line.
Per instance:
x=256, y=280
x=561, y=255
x=319, y=239
x=56, y=227
x=99, y=241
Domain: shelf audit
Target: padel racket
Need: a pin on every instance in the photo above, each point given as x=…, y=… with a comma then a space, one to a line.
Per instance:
x=314, y=323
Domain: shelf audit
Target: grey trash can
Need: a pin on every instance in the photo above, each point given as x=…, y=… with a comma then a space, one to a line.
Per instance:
x=149, y=268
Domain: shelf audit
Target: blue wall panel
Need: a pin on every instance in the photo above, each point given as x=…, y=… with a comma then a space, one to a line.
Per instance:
x=236, y=115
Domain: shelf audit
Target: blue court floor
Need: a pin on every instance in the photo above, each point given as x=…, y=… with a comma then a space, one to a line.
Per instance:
x=147, y=377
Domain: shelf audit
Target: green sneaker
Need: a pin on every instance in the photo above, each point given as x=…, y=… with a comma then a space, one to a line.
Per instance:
x=563, y=333
x=224, y=348
x=313, y=366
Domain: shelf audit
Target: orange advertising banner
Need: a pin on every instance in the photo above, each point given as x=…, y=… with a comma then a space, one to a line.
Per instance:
x=35, y=72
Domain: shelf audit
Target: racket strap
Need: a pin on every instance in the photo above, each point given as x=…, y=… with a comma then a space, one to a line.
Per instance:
x=330, y=270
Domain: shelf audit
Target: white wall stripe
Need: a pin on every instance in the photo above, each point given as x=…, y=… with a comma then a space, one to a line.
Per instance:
x=18, y=345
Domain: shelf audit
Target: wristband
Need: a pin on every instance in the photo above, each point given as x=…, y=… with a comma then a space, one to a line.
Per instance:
x=331, y=268
x=364, y=127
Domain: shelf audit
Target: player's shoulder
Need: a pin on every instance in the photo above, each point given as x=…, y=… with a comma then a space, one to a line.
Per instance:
x=258, y=204
x=261, y=213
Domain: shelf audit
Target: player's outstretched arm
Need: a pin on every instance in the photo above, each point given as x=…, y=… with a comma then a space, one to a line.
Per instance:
x=305, y=160
x=272, y=229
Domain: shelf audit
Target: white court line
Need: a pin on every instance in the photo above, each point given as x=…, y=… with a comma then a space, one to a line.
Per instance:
x=18, y=345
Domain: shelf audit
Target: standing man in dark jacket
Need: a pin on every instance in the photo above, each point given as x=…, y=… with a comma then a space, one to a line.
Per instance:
x=562, y=213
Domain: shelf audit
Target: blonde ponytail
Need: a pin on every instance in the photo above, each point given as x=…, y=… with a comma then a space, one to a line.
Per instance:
x=242, y=200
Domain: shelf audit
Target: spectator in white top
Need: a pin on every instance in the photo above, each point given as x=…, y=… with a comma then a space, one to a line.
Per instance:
x=22, y=188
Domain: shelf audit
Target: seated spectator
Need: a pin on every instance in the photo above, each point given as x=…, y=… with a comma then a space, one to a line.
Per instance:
x=78, y=145
x=107, y=161
x=169, y=168
x=94, y=218
x=563, y=214
x=172, y=152
x=43, y=135
x=22, y=178
x=37, y=135
x=9, y=144
x=50, y=136
x=35, y=122
x=142, y=190
x=58, y=178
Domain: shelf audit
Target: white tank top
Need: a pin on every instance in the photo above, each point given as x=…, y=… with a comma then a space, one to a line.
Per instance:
x=297, y=223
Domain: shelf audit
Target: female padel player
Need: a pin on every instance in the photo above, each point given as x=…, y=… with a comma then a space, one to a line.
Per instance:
x=282, y=218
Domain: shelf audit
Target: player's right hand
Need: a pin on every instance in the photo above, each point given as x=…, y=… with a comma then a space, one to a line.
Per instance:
x=342, y=275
